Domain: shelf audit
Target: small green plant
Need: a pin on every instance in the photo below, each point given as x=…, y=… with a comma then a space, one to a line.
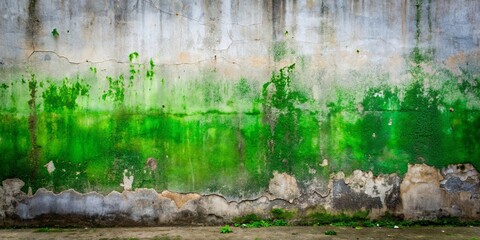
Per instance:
x=360, y=219
x=249, y=218
x=281, y=214
x=225, y=229
x=259, y=224
x=343, y=220
x=55, y=33
x=254, y=221
x=93, y=70
x=279, y=222
x=330, y=232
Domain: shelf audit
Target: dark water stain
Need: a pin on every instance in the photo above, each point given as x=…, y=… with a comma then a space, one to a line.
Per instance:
x=34, y=154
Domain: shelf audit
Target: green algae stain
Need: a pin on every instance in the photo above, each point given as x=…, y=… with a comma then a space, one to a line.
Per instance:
x=57, y=98
x=389, y=132
x=230, y=136
x=242, y=88
x=150, y=72
x=383, y=98
x=279, y=50
x=116, y=90
x=132, y=56
x=14, y=146
x=91, y=151
x=282, y=115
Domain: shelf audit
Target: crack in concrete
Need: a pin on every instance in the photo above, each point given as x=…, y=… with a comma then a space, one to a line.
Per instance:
x=113, y=60
x=323, y=196
x=72, y=62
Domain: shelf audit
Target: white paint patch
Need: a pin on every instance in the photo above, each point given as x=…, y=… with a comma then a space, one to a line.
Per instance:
x=50, y=167
x=127, y=181
x=324, y=163
x=379, y=94
x=462, y=171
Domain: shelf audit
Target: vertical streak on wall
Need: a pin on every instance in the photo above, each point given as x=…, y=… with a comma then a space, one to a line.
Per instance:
x=404, y=21
x=32, y=22
x=418, y=21
x=192, y=173
x=34, y=153
x=278, y=19
x=429, y=18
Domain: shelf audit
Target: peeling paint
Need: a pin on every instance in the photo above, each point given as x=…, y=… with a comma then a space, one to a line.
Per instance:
x=50, y=167
x=127, y=181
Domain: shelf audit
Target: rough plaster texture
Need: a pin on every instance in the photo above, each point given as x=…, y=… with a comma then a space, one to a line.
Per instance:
x=283, y=186
x=420, y=196
x=427, y=194
x=421, y=191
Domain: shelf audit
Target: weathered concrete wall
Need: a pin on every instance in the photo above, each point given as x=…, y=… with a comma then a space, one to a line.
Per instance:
x=246, y=105
x=424, y=193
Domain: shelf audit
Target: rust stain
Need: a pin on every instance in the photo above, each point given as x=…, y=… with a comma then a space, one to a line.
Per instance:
x=454, y=61
x=183, y=57
x=310, y=4
x=257, y=61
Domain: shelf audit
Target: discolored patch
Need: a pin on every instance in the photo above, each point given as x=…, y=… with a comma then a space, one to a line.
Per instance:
x=344, y=198
x=180, y=199
x=151, y=163
x=283, y=186
x=50, y=167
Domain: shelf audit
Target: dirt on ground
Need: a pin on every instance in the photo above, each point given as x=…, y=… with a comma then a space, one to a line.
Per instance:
x=203, y=233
